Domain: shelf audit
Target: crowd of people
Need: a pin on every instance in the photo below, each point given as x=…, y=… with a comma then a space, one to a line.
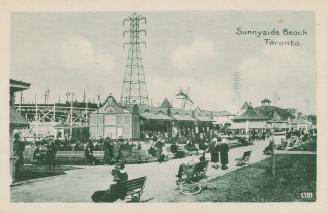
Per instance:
x=155, y=145
x=291, y=138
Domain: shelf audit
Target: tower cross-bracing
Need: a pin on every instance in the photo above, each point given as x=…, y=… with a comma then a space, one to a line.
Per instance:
x=134, y=86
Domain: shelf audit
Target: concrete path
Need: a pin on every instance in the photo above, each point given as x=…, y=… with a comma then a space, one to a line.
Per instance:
x=284, y=152
x=78, y=185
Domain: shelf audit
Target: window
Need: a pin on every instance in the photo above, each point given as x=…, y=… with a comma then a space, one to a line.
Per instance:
x=127, y=132
x=93, y=119
x=110, y=120
x=100, y=131
x=128, y=119
x=100, y=119
x=120, y=119
x=110, y=132
x=93, y=131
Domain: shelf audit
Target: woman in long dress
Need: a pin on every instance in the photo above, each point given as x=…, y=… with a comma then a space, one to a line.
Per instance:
x=223, y=150
x=214, y=152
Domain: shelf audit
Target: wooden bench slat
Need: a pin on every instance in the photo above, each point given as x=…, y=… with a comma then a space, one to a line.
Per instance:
x=135, y=181
x=129, y=189
x=135, y=186
x=128, y=184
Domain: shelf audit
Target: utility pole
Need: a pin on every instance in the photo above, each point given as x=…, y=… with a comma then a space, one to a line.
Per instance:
x=84, y=97
x=71, y=95
x=46, y=96
x=36, y=119
x=273, y=152
x=54, y=111
x=86, y=113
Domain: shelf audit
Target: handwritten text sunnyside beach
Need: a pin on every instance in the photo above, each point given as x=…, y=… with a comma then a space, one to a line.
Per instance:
x=274, y=32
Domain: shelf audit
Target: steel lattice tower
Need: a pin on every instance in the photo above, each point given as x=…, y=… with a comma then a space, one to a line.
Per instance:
x=134, y=86
x=237, y=98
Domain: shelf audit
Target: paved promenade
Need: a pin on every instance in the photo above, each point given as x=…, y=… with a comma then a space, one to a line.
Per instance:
x=78, y=185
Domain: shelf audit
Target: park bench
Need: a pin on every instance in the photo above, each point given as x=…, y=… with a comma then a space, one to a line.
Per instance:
x=134, y=188
x=131, y=190
x=170, y=155
x=197, y=171
x=98, y=155
x=76, y=156
x=244, y=159
x=70, y=156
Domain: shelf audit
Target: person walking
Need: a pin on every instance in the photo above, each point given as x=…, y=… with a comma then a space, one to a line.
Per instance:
x=51, y=154
x=106, y=147
x=214, y=152
x=89, y=153
x=223, y=151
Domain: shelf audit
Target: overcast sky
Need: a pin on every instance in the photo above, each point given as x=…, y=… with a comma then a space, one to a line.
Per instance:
x=201, y=50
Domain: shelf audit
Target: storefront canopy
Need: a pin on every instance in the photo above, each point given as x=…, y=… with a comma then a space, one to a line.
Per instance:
x=183, y=117
x=204, y=119
x=155, y=116
x=279, y=125
x=251, y=125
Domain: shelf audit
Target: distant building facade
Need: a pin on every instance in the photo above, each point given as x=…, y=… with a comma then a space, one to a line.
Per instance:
x=113, y=120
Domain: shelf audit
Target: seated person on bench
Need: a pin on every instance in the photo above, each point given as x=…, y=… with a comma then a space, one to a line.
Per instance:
x=175, y=149
x=183, y=166
x=190, y=146
x=116, y=190
x=89, y=153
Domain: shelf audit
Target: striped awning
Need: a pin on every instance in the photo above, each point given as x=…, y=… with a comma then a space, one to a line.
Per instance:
x=16, y=120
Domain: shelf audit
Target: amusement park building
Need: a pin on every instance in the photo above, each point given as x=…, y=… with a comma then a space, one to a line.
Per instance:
x=16, y=120
x=114, y=120
x=267, y=116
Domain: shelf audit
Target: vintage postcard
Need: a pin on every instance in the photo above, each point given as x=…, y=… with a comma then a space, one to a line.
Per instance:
x=162, y=106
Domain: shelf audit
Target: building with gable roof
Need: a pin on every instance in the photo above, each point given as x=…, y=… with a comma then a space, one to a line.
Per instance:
x=16, y=121
x=250, y=119
x=153, y=118
x=113, y=120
